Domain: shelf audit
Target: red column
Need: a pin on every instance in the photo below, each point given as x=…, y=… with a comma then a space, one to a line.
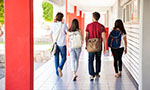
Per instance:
x=107, y=33
x=80, y=19
x=83, y=23
x=75, y=10
x=81, y=13
x=19, y=44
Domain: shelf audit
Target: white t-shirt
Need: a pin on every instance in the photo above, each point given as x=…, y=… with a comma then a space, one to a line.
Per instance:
x=122, y=41
x=55, y=30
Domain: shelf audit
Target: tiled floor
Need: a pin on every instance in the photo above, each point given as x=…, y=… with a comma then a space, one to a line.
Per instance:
x=46, y=79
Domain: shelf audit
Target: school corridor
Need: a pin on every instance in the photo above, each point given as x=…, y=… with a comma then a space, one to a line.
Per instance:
x=27, y=25
x=46, y=79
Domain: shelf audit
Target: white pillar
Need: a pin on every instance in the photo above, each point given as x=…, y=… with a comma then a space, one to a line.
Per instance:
x=107, y=18
x=145, y=45
x=119, y=9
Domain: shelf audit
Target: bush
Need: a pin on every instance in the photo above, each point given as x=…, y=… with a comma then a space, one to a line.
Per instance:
x=2, y=11
x=47, y=11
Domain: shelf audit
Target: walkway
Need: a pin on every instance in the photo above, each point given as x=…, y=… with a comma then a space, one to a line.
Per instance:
x=45, y=78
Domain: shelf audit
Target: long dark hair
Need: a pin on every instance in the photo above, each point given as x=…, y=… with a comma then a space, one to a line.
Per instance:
x=74, y=25
x=119, y=24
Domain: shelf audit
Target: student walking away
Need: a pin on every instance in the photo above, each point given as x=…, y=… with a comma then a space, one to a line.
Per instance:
x=117, y=41
x=58, y=34
x=95, y=34
x=75, y=44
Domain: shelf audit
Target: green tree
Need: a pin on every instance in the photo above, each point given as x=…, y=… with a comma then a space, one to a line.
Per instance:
x=2, y=11
x=47, y=11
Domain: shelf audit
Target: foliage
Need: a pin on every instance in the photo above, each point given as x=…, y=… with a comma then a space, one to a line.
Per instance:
x=47, y=11
x=2, y=11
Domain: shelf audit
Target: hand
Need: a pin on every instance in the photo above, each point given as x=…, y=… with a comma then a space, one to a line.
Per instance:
x=85, y=47
x=125, y=51
x=104, y=51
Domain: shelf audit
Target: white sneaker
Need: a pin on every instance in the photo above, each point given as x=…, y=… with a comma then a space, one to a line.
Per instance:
x=91, y=78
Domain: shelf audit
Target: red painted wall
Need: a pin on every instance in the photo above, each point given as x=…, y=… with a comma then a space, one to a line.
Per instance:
x=19, y=44
x=107, y=33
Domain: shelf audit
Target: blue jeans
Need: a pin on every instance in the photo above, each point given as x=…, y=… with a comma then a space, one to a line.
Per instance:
x=75, y=54
x=98, y=63
x=60, y=50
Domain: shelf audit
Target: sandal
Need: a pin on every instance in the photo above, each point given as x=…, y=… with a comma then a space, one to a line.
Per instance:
x=116, y=75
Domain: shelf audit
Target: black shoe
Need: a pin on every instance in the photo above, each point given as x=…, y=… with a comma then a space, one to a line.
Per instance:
x=75, y=78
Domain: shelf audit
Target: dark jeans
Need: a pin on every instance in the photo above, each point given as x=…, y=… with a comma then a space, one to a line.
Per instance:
x=91, y=63
x=117, y=54
x=60, y=50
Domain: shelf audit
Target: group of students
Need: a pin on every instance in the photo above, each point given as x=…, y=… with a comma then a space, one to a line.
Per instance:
x=93, y=30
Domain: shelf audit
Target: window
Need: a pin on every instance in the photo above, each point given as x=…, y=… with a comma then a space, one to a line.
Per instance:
x=130, y=11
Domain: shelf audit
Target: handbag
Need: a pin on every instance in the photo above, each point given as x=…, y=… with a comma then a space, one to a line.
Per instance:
x=54, y=46
x=94, y=44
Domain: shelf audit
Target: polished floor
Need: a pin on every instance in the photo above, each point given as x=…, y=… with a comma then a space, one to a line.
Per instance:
x=46, y=79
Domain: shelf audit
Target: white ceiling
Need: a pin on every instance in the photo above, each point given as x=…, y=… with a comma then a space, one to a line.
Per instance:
x=90, y=5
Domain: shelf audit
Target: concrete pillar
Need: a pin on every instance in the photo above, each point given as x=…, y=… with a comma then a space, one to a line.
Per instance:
x=19, y=44
x=66, y=4
x=107, y=18
x=119, y=9
x=145, y=45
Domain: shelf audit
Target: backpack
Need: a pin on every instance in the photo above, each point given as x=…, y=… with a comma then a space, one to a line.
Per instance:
x=75, y=39
x=114, y=39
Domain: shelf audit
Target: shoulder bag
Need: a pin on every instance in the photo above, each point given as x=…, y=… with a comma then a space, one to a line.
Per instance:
x=53, y=50
x=94, y=44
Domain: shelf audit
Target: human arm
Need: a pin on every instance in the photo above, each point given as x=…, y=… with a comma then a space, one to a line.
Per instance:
x=51, y=33
x=81, y=34
x=51, y=37
x=125, y=42
x=66, y=28
x=86, y=38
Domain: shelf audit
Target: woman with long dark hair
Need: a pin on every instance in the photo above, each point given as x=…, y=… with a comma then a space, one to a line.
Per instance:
x=75, y=44
x=117, y=52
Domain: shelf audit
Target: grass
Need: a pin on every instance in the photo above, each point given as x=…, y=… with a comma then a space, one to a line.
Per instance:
x=2, y=43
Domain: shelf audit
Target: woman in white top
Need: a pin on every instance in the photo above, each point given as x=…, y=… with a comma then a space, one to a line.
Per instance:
x=75, y=51
x=117, y=53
